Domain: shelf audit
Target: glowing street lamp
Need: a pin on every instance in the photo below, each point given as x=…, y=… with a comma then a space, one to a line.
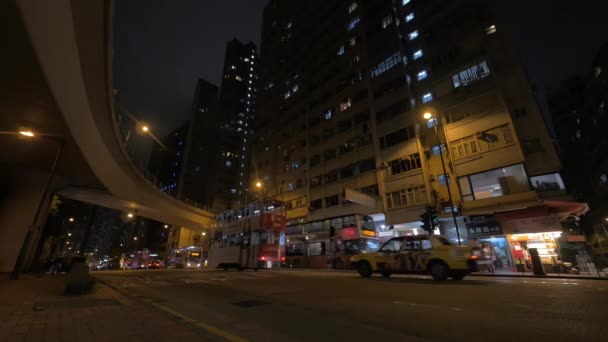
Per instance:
x=204, y=233
x=130, y=215
x=427, y=116
x=27, y=133
x=135, y=238
x=71, y=219
x=145, y=128
x=258, y=184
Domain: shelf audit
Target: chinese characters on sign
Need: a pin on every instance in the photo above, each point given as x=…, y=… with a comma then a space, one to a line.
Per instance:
x=482, y=227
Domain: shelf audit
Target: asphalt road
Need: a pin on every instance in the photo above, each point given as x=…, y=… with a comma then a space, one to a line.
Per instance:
x=340, y=306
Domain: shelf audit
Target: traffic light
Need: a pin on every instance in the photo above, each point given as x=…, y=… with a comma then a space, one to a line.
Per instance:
x=429, y=219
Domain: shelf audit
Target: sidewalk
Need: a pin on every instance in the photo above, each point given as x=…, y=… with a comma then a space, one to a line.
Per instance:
x=35, y=309
x=528, y=274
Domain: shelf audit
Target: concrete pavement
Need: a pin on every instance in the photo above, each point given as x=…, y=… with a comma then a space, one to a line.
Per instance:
x=34, y=309
x=340, y=306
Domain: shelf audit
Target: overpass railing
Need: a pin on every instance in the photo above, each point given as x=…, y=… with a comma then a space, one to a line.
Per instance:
x=128, y=126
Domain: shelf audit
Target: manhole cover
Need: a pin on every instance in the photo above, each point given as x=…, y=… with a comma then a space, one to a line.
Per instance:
x=250, y=303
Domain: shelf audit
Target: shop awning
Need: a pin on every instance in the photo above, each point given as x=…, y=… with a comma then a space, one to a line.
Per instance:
x=565, y=209
x=544, y=218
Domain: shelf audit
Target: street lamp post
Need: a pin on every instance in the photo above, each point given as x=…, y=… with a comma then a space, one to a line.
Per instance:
x=33, y=227
x=429, y=117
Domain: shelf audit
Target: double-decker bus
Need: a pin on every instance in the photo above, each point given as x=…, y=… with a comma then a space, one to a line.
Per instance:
x=329, y=243
x=250, y=237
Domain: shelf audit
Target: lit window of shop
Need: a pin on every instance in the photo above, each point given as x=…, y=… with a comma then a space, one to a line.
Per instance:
x=494, y=183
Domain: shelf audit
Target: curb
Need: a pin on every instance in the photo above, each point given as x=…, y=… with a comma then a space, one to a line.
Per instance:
x=535, y=276
x=494, y=275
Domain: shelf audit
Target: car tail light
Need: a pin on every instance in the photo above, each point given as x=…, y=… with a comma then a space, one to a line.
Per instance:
x=262, y=258
x=282, y=258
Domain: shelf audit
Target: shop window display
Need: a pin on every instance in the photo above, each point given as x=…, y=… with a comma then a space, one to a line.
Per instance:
x=545, y=244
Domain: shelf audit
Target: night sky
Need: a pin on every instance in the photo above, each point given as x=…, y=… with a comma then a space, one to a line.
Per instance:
x=162, y=47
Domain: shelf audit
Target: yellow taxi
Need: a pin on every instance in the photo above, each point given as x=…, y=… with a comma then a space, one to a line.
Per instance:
x=427, y=254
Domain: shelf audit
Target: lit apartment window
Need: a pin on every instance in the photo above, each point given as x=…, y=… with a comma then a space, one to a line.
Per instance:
x=405, y=2
x=352, y=7
x=417, y=54
x=444, y=179
x=469, y=75
x=328, y=114
x=387, y=21
x=289, y=24
x=422, y=75
x=246, y=59
x=345, y=105
x=295, y=88
x=233, y=67
x=409, y=17
x=426, y=98
x=353, y=41
x=341, y=50
x=387, y=64
x=353, y=23
x=413, y=35
x=238, y=78
x=490, y=29
x=287, y=95
x=228, y=163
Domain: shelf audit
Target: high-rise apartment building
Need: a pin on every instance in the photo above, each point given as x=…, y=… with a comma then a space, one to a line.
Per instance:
x=166, y=160
x=237, y=107
x=198, y=180
x=403, y=100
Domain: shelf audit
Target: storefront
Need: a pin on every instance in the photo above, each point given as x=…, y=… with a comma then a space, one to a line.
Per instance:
x=545, y=243
x=538, y=229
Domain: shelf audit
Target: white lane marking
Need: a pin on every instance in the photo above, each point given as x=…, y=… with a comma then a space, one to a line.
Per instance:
x=428, y=305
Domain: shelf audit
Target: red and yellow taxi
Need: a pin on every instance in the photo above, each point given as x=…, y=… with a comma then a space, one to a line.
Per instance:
x=426, y=254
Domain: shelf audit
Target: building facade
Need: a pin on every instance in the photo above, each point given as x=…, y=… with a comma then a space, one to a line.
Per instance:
x=403, y=100
x=198, y=178
x=167, y=160
x=580, y=117
x=237, y=104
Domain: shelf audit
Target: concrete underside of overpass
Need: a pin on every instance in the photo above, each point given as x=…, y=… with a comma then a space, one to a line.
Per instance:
x=56, y=80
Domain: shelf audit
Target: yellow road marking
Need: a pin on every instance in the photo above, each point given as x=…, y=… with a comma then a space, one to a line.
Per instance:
x=209, y=328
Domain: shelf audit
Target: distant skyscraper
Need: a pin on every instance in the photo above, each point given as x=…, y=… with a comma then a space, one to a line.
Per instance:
x=237, y=103
x=166, y=161
x=198, y=181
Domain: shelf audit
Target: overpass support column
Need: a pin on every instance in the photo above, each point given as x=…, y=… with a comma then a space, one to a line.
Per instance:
x=19, y=202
